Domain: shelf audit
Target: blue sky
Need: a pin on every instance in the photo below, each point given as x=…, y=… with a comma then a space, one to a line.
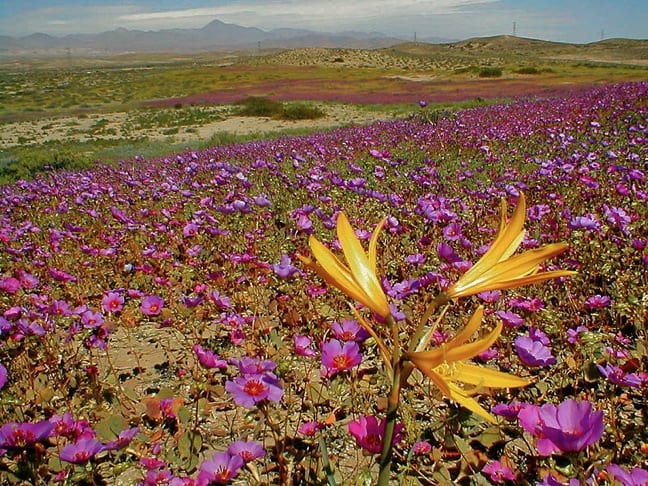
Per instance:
x=577, y=21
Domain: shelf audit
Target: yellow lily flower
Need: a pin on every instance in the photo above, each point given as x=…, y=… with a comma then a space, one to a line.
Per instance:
x=358, y=280
x=498, y=270
x=445, y=365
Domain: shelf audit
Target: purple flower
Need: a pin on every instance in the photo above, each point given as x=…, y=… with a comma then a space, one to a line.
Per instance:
x=90, y=319
x=16, y=436
x=598, y=302
x=619, y=377
x=220, y=469
x=635, y=477
x=573, y=335
x=285, y=270
x=3, y=376
x=309, y=428
x=510, y=319
x=532, y=352
x=122, y=440
x=112, y=302
x=337, y=357
x=349, y=330
x=81, y=451
x=549, y=480
x=508, y=410
x=498, y=472
x=247, y=450
x=152, y=305
x=369, y=433
x=586, y=222
x=302, y=345
x=421, y=447
x=569, y=427
x=250, y=389
x=207, y=358
x=10, y=285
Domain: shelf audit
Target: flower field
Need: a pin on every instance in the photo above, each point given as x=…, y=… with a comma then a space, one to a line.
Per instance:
x=456, y=298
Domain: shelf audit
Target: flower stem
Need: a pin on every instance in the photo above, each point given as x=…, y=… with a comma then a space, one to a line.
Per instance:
x=392, y=407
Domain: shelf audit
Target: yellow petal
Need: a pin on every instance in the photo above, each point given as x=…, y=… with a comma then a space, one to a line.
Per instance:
x=373, y=243
x=450, y=353
x=361, y=269
x=459, y=396
x=438, y=380
x=471, y=327
x=482, y=376
x=470, y=350
x=508, y=234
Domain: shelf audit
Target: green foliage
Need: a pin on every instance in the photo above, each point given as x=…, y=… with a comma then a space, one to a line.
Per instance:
x=262, y=106
x=490, y=72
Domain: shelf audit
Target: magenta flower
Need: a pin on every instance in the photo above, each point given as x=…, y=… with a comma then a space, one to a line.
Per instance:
x=619, y=377
x=81, y=451
x=10, y=285
x=310, y=428
x=533, y=350
x=369, y=433
x=248, y=450
x=123, y=439
x=207, y=358
x=112, y=302
x=422, y=447
x=337, y=357
x=302, y=345
x=598, y=302
x=220, y=469
x=634, y=477
x=90, y=319
x=152, y=305
x=248, y=390
x=285, y=269
x=498, y=472
x=17, y=436
x=349, y=330
x=3, y=376
x=569, y=427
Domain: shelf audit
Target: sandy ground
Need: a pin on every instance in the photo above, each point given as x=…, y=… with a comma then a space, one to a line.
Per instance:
x=112, y=126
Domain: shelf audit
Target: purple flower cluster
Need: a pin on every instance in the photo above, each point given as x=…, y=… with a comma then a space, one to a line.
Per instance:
x=257, y=382
x=79, y=441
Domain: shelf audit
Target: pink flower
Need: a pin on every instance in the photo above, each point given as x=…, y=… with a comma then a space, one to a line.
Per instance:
x=207, y=358
x=302, y=345
x=220, y=469
x=248, y=450
x=337, y=357
x=369, y=433
x=152, y=305
x=422, y=447
x=248, y=390
x=498, y=472
x=112, y=302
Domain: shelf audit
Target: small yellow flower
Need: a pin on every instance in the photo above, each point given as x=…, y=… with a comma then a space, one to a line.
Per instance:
x=446, y=367
x=358, y=280
x=497, y=269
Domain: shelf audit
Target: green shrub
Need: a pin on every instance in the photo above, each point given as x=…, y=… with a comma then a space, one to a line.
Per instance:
x=528, y=70
x=301, y=111
x=490, y=72
x=259, y=106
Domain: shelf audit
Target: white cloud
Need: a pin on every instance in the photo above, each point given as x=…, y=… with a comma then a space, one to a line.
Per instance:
x=322, y=14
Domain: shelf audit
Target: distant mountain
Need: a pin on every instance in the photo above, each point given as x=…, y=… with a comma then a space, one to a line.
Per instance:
x=215, y=36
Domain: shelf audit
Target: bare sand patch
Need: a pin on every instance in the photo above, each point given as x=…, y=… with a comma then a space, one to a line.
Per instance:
x=118, y=126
